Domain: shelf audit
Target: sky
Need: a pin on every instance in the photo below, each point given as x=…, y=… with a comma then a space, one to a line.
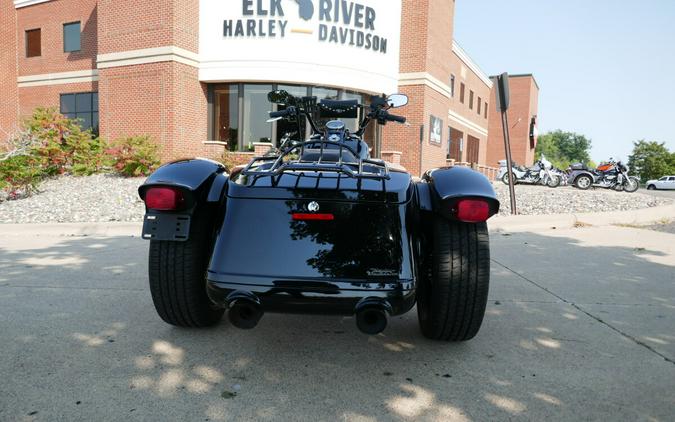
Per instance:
x=606, y=69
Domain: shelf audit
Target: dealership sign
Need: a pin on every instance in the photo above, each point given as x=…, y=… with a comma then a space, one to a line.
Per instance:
x=339, y=21
x=350, y=43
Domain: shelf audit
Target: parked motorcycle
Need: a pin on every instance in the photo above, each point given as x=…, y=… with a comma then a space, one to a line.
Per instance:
x=540, y=173
x=610, y=175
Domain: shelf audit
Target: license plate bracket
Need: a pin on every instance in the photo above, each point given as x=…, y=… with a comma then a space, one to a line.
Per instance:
x=173, y=227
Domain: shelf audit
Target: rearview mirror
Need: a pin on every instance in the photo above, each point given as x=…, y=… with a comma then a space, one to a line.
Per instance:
x=397, y=100
x=279, y=97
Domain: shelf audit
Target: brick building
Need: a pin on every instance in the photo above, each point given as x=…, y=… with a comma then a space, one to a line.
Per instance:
x=522, y=116
x=193, y=74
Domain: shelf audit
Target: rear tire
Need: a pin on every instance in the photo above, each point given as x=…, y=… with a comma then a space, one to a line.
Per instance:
x=453, y=291
x=651, y=187
x=177, y=273
x=583, y=182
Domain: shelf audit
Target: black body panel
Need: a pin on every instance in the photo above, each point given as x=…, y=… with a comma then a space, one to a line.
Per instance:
x=316, y=266
x=193, y=176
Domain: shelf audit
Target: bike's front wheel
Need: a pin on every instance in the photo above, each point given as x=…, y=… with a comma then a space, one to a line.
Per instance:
x=631, y=185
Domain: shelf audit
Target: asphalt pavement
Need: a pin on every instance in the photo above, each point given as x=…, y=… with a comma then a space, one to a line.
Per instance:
x=660, y=193
x=580, y=326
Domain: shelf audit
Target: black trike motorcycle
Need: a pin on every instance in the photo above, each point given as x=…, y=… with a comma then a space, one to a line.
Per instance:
x=318, y=226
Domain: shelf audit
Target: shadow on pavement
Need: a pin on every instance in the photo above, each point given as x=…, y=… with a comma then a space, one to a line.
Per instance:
x=573, y=331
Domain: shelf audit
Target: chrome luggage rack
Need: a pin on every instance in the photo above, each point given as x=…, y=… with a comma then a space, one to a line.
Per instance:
x=352, y=169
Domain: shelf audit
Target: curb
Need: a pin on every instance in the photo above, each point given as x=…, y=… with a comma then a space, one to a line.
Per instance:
x=642, y=216
x=109, y=229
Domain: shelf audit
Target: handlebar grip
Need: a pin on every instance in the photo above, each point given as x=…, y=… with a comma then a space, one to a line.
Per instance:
x=282, y=113
x=394, y=118
x=275, y=114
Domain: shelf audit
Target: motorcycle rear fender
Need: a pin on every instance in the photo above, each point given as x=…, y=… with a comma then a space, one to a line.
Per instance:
x=202, y=184
x=441, y=189
x=576, y=173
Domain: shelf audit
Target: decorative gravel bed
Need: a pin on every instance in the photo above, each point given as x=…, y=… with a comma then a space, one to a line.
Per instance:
x=68, y=199
x=536, y=200
x=102, y=198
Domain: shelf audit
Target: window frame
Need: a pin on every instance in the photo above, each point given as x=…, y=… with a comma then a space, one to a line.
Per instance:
x=79, y=39
x=92, y=109
x=26, y=32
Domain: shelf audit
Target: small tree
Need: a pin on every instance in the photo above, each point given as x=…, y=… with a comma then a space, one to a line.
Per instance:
x=651, y=160
x=564, y=148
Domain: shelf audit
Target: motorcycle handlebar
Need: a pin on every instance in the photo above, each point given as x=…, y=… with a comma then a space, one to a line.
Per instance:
x=394, y=118
x=282, y=113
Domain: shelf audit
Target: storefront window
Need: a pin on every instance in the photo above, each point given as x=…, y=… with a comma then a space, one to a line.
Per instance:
x=256, y=113
x=227, y=116
x=240, y=114
x=353, y=124
x=283, y=126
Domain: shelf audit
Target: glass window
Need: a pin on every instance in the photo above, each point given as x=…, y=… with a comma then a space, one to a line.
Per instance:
x=452, y=86
x=480, y=103
x=462, y=89
x=71, y=37
x=226, y=109
x=82, y=106
x=83, y=102
x=486, y=109
x=256, y=112
x=470, y=100
x=323, y=94
x=353, y=124
x=284, y=126
x=67, y=104
x=34, y=43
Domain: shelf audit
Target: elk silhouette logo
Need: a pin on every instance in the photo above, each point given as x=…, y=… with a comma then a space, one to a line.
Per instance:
x=306, y=9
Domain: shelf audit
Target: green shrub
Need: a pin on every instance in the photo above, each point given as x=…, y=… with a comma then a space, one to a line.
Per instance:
x=232, y=159
x=134, y=156
x=19, y=176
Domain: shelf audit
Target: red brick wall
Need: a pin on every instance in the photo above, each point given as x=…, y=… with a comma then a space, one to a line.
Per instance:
x=49, y=96
x=414, y=17
x=524, y=102
x=163, y=100
x=132, y=25
x=50, y=17
x=426, y=46
x=8, y=63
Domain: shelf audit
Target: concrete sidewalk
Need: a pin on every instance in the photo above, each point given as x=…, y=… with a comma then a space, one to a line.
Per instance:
x=579, y=326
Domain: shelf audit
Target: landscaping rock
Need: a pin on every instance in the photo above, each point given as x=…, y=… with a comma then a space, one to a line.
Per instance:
x=538, y=200
x=68, y=199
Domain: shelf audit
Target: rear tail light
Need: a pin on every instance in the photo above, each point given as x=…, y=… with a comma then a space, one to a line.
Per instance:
x=164, y=199
x=472, y=211
x=313, y=217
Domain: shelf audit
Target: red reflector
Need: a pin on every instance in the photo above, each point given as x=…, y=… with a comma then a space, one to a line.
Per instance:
x=163, y=199
x=473, y=211
x=313, y=217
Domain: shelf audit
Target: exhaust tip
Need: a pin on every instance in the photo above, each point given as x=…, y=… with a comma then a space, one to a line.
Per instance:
x=371, y=320
x=244, y=314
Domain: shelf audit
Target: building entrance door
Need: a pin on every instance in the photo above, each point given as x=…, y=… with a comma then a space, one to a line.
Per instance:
x=472, y=148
